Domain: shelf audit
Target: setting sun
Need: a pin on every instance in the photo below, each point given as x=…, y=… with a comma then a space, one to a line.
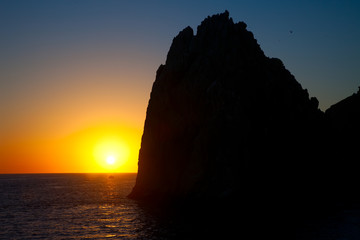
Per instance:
x=110, y=159
x=111, y=153
x=102, y=148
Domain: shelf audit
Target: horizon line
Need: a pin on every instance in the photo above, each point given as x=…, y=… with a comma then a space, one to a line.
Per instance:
x=71, y=173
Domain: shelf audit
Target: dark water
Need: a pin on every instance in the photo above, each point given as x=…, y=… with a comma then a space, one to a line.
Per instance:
x=74, y=206
x=95, y=206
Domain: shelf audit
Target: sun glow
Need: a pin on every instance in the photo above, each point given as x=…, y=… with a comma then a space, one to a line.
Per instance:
x=110, y=160
x=111, y=153
x=108, y=148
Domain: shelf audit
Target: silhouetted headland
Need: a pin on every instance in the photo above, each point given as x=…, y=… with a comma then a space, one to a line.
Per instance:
x=343, y=120
x=227, y=124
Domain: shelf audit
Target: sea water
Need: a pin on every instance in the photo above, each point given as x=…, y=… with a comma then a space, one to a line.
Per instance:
x=95, y=206
x=74, y=206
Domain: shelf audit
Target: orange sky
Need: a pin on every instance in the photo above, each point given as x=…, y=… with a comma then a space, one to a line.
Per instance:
x=59, y=123
x=82, y=151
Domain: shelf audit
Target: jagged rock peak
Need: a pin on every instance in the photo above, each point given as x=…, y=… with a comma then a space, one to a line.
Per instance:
x=217, y=22
x=217, y=34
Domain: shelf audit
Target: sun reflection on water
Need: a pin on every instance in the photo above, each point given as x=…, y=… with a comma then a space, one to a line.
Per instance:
x=75, y=206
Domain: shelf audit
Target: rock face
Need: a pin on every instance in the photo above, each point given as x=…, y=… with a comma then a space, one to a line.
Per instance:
x=225, y=121
x=343, y=119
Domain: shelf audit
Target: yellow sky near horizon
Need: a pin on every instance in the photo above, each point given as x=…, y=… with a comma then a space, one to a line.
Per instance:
x=85, y=151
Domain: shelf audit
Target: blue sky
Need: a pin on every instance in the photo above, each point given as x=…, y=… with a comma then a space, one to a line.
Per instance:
x=47, y=46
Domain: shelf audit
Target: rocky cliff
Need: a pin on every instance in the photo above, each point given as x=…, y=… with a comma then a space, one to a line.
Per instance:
x=224, y=121
x=343, y=120
x=344, y=117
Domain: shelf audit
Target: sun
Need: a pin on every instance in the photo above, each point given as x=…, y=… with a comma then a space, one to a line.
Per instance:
x=111, y=154
x=110, y=159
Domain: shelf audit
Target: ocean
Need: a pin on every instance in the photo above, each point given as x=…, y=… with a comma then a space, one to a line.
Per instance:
x=74, y=206
x=95, y=206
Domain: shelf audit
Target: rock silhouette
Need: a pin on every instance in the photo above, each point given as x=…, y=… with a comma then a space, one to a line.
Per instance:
x=221, y=116
x=225, y=123
x=343, y=119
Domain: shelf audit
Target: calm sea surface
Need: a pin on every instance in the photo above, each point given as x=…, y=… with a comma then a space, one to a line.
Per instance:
x=74, y=206
x=95, y=206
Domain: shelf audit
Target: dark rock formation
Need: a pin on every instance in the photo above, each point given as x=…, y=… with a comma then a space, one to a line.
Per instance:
x=226, y=121
x=343, y=119
x=228, y=126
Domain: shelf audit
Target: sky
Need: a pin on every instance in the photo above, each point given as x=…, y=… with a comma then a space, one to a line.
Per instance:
x=76, y=76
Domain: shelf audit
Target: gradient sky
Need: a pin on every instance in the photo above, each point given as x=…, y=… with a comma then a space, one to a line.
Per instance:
x=83, y=69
